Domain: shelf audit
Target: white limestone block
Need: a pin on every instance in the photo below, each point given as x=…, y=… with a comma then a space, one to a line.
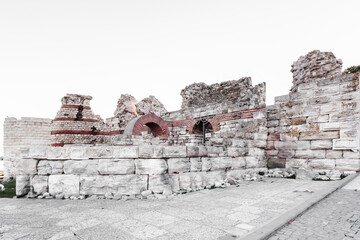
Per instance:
x=195, y=164
x=348, y=164
x=309, y=154
x=150, y=166
x=94, y=185
x=157, y=183
x=238, y=163
x=345, y=144
x=64, y=184
x=40, y=184
x=237, y=152
x=178, y=165
x=321, y=144
x=322, y=163
x=57, y=153
x=46, y=167
x=37, y=152
x=126, y=152
x=296, y=163
x=220, y=163
x=116, y=166
x=127, y=184
x=174, y=151
x=79, y=167
x=26, y=166
x=100, y=152
x=215, y=177
x=22, y=185
x=206, y=164
x=333, y=154
x=78, y=152
x=251, y=162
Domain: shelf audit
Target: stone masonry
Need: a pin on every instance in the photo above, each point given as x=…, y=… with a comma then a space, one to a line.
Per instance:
x=222, y=134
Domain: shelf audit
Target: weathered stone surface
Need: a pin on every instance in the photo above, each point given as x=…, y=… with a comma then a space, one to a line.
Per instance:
x=220, y=163
x=348, y=164
x=321, y=144
x=251, y=162
x=157, y=183
x=174, y=182
x=309, y=154
x=150, y=166
x=178, y=165
x=78, y=152
x=46, y=167
x=57, y=153
x=22, y=185
x=64, y=184
x=206, y=164
x=345, y=144
x=37, y=152
x=126, y=152
x=26, y=166
x=238, y=163
x=127, y=184
x=215, y=178
x=126, y=109
x=237, y=152
x=293, y=145
x=333, y=154
x=286, y=153
x=94, y=185
x=174, y=151
x=297, y=163
x=146, y=152
x=116, y=166
x=150, y=105
x=319, y=135
x=322, y=163
x=193, y=180
x=195, y=164
x=80, y=167
x=100, y=152
x=351, y=154
x=40, y=184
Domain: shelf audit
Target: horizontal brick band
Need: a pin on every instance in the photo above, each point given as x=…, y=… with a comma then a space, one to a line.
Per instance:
x=75, y=106
x=73, y=119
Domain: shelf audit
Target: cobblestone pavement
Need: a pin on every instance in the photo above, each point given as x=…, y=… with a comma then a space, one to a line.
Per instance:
x=208, y=214
x=336, y=217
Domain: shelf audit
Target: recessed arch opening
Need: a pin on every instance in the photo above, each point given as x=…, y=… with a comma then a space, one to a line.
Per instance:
x=154, y=128
x=200, y=126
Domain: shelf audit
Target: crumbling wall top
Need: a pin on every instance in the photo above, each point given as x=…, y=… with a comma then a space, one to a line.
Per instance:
x=315, y=65
x=76, y=99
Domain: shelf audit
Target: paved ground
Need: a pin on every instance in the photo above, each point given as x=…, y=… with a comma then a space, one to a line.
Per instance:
x=336, y=217
x=209, y=214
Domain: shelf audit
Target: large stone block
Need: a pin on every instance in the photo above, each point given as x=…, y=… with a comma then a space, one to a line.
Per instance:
x=215, y=178
x=94, y=185
x=64, y=184
x=26, y=166
x=296, y=163
x=220, y=163
x=174, y=182
x=333, y=154
x=348, y=164
x=40, y=184
x=57, y=153
x=150, y=166
x=178, y=165
x=351, y=154
x=100, y=152
x=81, y=167
x=22, y=185
x=128, y=184
x=46, y=167
x=195, y=164
x=206, y=164
x=193, y=180
x=157, y=183
x=252, y=162
x=327, y=90
x=309, y=154
x=345, y=144
x=315, y=135
x=238, y=163
x=286, y=153
x=37, y=152
x=321, y=144
x=214, y=151
x=322, y=163
x=150, y=151
x=116, y=166
x=174, y=151
x=78, y=152
x=292, y=145
x=126, y=152
x=237, y=152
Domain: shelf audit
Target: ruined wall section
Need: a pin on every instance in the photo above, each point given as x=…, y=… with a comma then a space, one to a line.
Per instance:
x=240, y=93
x=316, y=126
x=115, y=171
x=20, y=133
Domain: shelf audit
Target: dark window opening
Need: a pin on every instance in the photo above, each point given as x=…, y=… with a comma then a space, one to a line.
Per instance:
x=154, y=128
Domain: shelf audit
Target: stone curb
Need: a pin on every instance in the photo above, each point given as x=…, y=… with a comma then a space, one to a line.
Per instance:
x=268, y=229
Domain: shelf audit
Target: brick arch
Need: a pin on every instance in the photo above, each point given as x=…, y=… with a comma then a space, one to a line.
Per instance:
x=215, y=124
x=150, y=122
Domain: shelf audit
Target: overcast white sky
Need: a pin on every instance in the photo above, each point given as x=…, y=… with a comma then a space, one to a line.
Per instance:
x=151, y=47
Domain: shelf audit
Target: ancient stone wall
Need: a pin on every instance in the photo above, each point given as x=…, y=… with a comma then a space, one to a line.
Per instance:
x=20, y=133
x=240, y=93
x=316, y=126
x=114, y=171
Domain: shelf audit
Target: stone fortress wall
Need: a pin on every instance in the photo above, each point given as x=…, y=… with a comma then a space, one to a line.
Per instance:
x=223, y=134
